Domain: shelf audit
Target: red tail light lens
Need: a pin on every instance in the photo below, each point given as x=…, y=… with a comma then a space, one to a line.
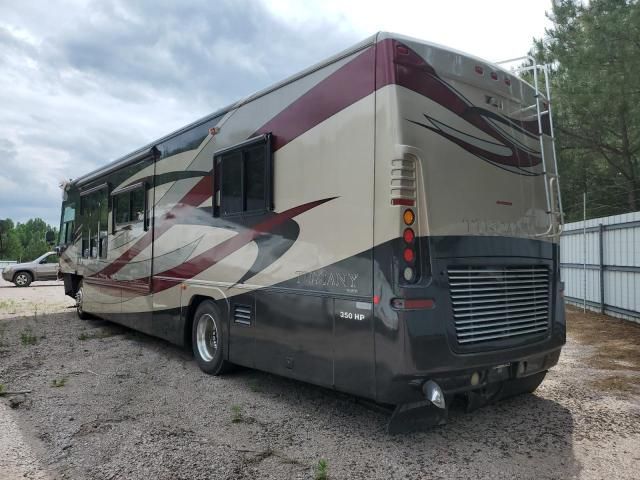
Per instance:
x=408, y=235
x=408, y=255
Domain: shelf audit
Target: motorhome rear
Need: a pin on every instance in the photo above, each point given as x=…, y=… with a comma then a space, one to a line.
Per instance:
x=384, y=223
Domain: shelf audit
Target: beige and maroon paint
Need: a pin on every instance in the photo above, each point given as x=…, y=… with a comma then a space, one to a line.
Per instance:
x=339, y=132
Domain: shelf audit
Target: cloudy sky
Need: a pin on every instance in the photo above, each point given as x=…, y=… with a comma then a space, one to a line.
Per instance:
x=84, y=82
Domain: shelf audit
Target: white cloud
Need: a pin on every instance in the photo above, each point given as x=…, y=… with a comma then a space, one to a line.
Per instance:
x=84, y=82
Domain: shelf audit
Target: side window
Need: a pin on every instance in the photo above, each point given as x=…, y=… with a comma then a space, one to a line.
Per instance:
x=50, y=259
x=231, y=184
x=123, y=208
x=130, y=206
x=243, y=181
x=68, y=224
x=94, y=209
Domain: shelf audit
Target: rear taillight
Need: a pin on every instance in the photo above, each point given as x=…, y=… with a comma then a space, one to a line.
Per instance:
x=409, y=255
x=409, y=267
x=408, y=236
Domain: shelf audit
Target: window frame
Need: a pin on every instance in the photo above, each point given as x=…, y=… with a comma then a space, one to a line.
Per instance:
x=129, y=190
x=243, y=148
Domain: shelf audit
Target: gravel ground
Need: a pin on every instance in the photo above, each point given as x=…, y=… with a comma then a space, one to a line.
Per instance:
x=108, y=403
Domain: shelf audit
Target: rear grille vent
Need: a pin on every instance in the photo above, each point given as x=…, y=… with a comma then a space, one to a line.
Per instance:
x=495, y=303
x=242, y=314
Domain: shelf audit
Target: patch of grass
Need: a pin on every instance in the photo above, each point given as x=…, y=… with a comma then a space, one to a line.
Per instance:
x=28, y=338
x=7, y=304
x=236, y=414
x=59, y=383
x=2, y=389
x=322, y=470
x=615, y=340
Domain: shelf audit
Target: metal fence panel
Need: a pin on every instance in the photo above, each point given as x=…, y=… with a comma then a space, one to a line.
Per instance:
x=610, y=280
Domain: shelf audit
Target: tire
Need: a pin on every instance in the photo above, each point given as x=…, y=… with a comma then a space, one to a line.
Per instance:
x=208, y=339
x=22, y=279
x=82, y=315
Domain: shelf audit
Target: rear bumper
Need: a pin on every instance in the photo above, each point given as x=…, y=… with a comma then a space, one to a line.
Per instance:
x=415, y=346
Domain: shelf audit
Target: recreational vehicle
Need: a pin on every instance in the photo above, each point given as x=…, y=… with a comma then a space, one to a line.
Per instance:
x=384, y=223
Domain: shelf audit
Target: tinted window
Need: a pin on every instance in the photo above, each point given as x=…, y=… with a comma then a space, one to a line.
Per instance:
x=137, y=205
x=231, y=188
x=123, y=214
x=255, y=178
x=94, y=220
x=242, y=179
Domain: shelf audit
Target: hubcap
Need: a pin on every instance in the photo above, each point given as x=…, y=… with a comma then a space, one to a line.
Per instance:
x=79, y=301
x=21, y=279
x=207, y=337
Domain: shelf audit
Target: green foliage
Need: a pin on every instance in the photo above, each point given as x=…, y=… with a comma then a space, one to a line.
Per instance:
x=236, y=414
x=58, y=383
x=322, y=470
x=23, y=241
x=594, y=48
x=28, y=338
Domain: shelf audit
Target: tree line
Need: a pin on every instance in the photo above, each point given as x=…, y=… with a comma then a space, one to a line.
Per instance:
x=24, y=241
x=593, y=49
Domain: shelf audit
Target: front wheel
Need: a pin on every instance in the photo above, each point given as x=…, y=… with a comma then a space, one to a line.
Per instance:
x=208, y=339
x=82, y=315
x=22, y=279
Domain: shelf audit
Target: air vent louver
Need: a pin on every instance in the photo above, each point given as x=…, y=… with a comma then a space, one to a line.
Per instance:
x=496, y=303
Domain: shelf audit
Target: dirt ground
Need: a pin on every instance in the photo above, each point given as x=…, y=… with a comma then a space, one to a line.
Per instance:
x=104, y=402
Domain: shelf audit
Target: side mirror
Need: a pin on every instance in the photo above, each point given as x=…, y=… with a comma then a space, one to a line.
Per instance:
x=50, y=237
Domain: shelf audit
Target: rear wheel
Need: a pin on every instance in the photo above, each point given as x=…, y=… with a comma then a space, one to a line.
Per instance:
x=208, y=339
x=23, y=279
x=82, y=315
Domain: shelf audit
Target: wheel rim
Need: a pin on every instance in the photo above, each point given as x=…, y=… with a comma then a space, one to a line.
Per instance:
x=79, y=301
x=207, y=337
x=21, y=279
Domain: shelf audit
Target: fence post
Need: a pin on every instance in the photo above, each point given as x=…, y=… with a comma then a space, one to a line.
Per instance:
x=601, y=239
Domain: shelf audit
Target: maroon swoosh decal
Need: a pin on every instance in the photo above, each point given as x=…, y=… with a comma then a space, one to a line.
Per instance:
x=222, y=250
x=198, y=194
x=411, y=71
x=348, y=84
x=345, y=86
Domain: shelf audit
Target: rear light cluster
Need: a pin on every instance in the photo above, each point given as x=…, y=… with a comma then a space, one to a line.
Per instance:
x=409, y=253
x=494, y=75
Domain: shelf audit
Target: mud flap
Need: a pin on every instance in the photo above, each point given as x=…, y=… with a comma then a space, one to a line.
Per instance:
x=502, y=390
x=416, y=416
x=517, y=386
